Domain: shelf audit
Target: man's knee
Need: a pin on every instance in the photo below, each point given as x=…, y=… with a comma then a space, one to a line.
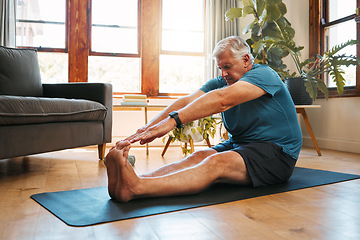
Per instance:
x=218, y=162
x=202, y=154
x=229, y=167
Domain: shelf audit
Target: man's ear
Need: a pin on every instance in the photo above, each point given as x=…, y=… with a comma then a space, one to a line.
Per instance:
x=246, y=59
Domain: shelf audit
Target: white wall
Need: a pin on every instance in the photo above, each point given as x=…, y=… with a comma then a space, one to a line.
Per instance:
x=335, y=125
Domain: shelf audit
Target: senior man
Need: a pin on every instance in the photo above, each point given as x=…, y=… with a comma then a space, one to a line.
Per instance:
x=264, y=134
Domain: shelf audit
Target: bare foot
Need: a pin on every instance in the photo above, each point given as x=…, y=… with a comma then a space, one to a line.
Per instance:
x=111, y=173
x=111, y=168
x=128, y=181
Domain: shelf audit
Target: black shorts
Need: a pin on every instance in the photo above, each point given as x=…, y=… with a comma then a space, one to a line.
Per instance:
x=266, y=163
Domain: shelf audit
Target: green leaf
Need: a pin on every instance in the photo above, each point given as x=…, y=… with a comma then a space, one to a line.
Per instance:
x=273, y=13
x=282, y=8
x=233, y=13
x=311, y=88
x=338, y=78
x=272, y=2
x=258, y=46
x=323, y=88
x=339, y=47
x=260, y=6
x=256, y=31
x=275, y=55
x=248, y=3
x=248, y=10
x=193, y=130
x=290, y=32
x=270, y=30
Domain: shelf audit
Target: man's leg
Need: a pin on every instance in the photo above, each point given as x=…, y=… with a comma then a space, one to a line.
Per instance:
x=226, y=167
x=187, y=162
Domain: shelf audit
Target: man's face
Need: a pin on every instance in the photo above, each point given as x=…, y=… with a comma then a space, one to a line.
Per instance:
x=232, y=69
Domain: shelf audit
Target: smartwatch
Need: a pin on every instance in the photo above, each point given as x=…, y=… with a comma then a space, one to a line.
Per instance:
x=175, y=116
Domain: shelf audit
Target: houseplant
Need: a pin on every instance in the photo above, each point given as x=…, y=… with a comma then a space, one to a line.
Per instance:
x=330, y=62
x=196, y=131
x=272, y=39
x=269, y=22
x=312, y=69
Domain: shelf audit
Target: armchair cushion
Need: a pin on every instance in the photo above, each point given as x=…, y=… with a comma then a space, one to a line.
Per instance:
x=27, y=110
x=19, y=72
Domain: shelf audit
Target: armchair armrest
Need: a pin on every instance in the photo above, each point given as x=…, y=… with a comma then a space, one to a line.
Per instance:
x=98, y=92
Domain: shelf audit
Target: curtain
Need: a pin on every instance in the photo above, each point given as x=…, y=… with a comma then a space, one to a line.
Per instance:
x=217, y=28
x=8, y=23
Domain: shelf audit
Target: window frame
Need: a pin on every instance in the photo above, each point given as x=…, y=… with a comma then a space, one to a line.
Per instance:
x=176, y=53
x=78, y=44
x=47, y=49
x=135, y=55
x=318, y=21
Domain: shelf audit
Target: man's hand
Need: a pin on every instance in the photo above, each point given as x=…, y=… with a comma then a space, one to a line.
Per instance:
x=156, y=131
x=137, y=133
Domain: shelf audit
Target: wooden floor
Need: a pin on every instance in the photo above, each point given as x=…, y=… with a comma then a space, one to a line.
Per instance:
x=326, y=212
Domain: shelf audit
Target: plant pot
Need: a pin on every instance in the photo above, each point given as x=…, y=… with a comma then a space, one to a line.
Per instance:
x=298, y=91
x=197, y=136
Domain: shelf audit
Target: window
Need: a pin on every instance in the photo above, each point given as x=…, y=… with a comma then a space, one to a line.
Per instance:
x=151, y=47
x=114, y=56
x=182, y=46
x=41, y=24
x=332, y=23
x=339, y=28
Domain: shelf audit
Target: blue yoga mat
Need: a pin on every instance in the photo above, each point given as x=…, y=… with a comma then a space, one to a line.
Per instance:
x=91, y=206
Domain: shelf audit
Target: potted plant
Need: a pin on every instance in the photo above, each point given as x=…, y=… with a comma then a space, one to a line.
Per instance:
x=195, y=131
x=269, y=22
x=330, y=63
x=272, y=40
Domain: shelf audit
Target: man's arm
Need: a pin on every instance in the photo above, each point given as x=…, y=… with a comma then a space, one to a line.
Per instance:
x=176, y=105
x=207, y=104
x=220, y=100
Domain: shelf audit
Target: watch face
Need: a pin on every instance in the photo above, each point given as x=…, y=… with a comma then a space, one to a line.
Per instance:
x=174, y=115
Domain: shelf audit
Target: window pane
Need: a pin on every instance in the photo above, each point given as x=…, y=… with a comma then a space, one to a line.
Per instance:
x=181, y=74
x=114, y=26
x=40, y=23
x=183, y=41
x=338, y=34
x=113, y=41
x=183, y=26
x=53, y=67
x=341, y=8
x=122, y=73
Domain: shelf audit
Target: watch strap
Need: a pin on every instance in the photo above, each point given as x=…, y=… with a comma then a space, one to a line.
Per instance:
x=175, y=116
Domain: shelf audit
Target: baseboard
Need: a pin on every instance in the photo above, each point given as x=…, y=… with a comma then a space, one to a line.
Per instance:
x=331, y=144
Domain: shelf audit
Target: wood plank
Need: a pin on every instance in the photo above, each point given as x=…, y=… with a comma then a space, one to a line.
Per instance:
x=314, y=27
x=325, y=212
x=150, y=47
x=78, y=40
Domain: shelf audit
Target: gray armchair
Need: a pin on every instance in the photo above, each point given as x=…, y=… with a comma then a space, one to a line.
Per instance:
x=37, y=118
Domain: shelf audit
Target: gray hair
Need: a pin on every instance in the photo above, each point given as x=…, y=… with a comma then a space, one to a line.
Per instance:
x=237, y=46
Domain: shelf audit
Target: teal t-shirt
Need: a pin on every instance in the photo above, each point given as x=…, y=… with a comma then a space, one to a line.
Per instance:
x=271, y=117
